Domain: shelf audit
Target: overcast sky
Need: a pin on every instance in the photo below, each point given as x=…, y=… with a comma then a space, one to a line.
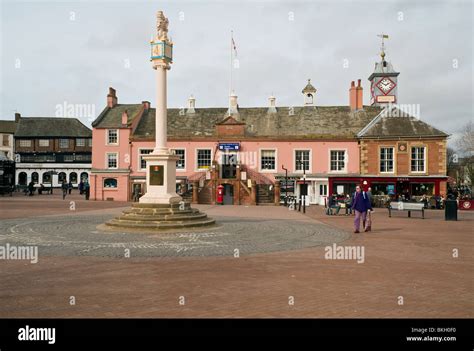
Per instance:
x=71, y=52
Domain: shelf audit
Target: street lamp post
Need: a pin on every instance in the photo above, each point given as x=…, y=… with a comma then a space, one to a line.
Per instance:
x=286, y=184
x=303, y=189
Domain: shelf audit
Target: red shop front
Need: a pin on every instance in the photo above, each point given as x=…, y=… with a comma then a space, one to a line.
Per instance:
x=414, y=186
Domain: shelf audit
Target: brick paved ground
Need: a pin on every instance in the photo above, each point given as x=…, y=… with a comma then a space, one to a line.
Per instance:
x=403, y=257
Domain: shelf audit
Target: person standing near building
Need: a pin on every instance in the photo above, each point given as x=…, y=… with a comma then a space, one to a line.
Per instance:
x=87, y=189
x=81, y=187
x=31, y=188
x=69, y=187
x=348, y=203
x=369, y=194
x=136, y=193
x=361, y=205
x=64, y=187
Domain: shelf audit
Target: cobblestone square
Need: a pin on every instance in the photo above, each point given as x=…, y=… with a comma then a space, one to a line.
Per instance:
x=258, y=261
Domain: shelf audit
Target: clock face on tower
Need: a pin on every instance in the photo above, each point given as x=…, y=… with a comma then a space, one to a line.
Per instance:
x=385, y=85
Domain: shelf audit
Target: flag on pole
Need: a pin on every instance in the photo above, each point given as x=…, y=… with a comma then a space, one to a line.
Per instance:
x=234, y=47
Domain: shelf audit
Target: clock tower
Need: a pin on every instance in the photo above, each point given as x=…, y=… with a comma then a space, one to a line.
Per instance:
x=383, y=81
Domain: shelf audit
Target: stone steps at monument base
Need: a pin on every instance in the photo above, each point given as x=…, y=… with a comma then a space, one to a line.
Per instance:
x=158, y=211
x=161, y=225
x=157, y=218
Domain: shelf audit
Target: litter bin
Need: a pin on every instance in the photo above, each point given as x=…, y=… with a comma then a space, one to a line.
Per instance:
x=451, y=210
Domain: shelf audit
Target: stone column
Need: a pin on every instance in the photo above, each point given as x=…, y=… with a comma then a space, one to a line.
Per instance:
x=161, y=109
x=277, y=193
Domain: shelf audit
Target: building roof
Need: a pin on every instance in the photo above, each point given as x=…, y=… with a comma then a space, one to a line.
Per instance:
x=309, y=122
x=397, y=123
x=51, y=127
x=7, y=127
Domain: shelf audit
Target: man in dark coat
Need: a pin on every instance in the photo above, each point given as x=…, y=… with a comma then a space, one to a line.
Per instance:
x=361, y=204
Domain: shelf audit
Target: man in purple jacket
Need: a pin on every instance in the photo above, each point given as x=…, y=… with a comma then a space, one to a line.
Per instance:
x=361, y=204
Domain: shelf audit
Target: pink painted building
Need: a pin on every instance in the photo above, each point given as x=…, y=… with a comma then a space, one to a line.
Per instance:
x=242, y=149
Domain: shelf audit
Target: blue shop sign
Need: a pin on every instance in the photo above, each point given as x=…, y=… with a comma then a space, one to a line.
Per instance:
x=229, y=146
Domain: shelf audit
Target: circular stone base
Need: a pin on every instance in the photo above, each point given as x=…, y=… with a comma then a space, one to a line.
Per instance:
x=161, y=217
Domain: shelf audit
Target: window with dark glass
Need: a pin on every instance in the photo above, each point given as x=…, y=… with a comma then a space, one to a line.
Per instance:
x=302, y=160
x=268, y=160
x=181, y=162
x=203, y=158
x=386, y=159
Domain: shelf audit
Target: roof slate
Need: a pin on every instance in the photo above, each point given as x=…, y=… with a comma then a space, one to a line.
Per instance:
x=52, y=127
x=7, y=127
x=310, y=122
x=388, y=125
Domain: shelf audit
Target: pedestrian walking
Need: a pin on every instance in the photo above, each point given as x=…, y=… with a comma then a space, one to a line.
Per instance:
x=31, y=188
x=361, y=205
x=64, y=188
x=69, y=187
x=81, y=187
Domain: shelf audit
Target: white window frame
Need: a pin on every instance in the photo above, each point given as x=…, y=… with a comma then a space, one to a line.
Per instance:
x=393, y=159
x=83, y=141
x=310, y=160
x=107, y=160
x=346, y=160
x=185, y=159
x=140, y=157
x=107, y=136
x=424, y=158
x=262, y=170
x=24, y=141
x=43, y=140
x=68, y=143
x=196, y=169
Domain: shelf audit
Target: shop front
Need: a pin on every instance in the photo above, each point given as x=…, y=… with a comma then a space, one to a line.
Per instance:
x=406, y=187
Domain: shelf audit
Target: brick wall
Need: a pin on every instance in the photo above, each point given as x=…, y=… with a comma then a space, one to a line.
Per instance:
x=435, y=156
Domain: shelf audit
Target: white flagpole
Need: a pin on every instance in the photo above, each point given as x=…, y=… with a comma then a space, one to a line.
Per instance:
x=230, y=81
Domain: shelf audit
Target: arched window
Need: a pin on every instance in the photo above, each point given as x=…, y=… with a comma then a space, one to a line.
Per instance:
x=61, y=177
x=73, y=177
x=35, y=177
x=22, y=178
x=84, y=176
x=47, y=178
x=110, y=183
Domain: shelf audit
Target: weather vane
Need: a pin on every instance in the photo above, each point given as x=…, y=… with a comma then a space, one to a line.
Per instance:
x=383, y=36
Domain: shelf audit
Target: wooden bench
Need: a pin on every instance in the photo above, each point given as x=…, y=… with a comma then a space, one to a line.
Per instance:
x=406, y=206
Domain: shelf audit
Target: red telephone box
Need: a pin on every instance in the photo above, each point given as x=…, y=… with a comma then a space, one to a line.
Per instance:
x=220, y=194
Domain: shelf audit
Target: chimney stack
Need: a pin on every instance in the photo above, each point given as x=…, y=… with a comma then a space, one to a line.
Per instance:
x=272, y=104
x=233, y=105
x=146, y=105
x=356, y=96
x=17, y=117
x=111, y=98
x=191, y=104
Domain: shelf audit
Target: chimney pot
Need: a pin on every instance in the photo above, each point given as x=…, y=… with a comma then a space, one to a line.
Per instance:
x=191, y=104
x=146, y=105
x=272, y=107
x=17, y=117
x=358, y=82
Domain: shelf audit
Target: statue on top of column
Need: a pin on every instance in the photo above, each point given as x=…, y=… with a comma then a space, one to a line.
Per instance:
x=162, y=26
